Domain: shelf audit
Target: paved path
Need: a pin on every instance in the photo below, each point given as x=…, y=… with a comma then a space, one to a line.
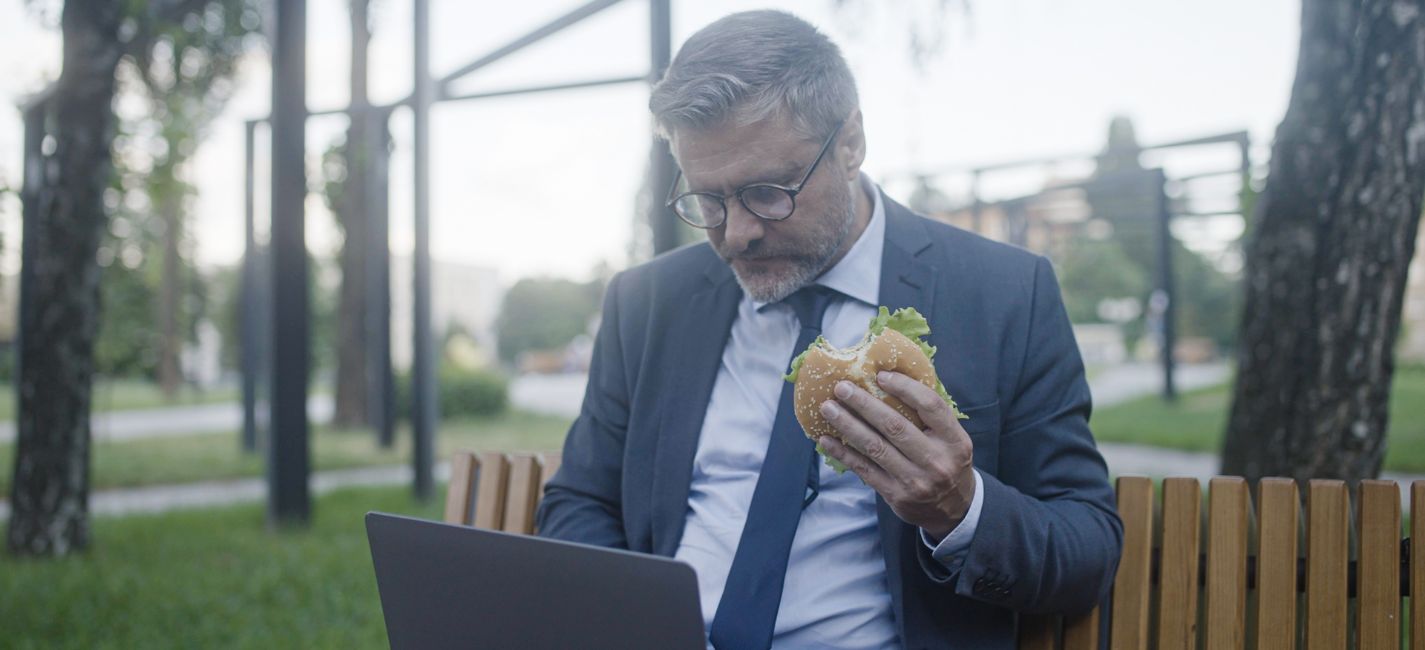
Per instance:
x=1122, y=459
x=1156, y=462
x=1117, y=384
x=552, y=394
x=558, y=395
x=561, y=394
x=175, y=420
x=162, y=498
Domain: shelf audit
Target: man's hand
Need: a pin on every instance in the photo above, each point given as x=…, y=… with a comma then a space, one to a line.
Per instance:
x=925, y=476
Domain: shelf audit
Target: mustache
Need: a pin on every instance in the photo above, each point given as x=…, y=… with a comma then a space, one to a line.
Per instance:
x=760, y=254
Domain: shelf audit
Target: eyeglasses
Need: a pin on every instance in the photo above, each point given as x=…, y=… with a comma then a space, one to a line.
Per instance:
x=768, y=201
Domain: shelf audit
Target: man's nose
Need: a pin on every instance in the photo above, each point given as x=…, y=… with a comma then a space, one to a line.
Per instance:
x=742, y=228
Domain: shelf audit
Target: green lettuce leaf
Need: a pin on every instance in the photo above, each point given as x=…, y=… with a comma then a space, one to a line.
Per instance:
x=909, y=322
x=797, y=362
x=905, y=320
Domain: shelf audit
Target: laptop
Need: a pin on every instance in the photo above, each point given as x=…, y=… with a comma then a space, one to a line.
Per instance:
x=446, y=586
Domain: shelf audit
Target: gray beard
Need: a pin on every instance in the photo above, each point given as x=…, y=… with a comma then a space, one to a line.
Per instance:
x=768, y=288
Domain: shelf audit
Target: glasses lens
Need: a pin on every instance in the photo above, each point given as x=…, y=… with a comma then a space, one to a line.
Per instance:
x=768, y=202
x=700, y=210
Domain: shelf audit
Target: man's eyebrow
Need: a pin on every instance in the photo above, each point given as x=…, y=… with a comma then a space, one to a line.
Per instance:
x=786, y=174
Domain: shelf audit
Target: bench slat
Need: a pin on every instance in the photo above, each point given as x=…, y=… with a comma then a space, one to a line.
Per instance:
x=522, y=495
x=1131, y=588
x=1417, y=565
x=1327, y=545
x=490, y=491
x=458, y=491
x=1177, y=585
x=551, y=465
x=1278, y=527
x=1378, y=574
x=1036, y=632
x=1226, y=624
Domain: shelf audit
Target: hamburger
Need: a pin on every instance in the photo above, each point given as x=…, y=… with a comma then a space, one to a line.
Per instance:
x=893, y=342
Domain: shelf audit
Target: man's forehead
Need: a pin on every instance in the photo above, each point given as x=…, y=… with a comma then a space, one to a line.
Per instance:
x=738, y=155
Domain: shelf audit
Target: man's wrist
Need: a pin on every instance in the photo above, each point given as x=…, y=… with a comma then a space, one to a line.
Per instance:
x=939, y=532
x=957, y=539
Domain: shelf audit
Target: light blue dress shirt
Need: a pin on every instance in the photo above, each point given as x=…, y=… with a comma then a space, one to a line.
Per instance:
x=835, y=592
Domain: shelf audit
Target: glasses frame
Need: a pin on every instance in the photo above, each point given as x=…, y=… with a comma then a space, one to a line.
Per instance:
x=790, y=190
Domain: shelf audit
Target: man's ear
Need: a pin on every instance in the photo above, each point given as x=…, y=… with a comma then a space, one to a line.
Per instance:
x=851, y=146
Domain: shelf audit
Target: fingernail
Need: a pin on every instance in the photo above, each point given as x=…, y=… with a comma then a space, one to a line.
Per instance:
x=828, y=409
x=883, y=376
x=843, y=389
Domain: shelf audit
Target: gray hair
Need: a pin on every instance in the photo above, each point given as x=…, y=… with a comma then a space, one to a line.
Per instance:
x=750, y=66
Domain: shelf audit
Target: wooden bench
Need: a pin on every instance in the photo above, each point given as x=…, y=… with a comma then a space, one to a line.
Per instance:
x=1215, y=568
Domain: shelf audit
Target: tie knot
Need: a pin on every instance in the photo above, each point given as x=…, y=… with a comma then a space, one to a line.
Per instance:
x=810, y=303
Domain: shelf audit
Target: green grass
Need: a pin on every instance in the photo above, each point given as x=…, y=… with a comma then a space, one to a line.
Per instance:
x=1197, y=420
x=208, y=579
x=130, y=394
x=200, y=457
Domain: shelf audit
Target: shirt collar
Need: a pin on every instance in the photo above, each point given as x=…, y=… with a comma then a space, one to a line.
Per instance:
x=858, y=274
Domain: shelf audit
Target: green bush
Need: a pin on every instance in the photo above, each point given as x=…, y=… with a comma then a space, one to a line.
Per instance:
x=461, y=393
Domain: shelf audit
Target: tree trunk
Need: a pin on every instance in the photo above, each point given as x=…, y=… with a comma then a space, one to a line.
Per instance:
x=351, y=381
x=1330, y=248
x=65, y=201
x=170, y=337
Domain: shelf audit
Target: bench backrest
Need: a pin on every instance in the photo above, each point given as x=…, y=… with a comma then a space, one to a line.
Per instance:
x=497, y=491
x=1216, y=568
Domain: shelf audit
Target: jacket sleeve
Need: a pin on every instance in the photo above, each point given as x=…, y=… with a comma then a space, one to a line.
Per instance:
x=1049, y=536
x=582, y=500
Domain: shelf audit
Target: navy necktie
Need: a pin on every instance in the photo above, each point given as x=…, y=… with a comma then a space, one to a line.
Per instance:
x=788, y=482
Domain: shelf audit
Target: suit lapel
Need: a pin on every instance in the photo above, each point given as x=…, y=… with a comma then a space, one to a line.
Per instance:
x=703, y=327
x=906, y=281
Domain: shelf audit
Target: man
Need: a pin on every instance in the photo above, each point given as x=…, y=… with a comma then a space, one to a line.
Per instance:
x=685, y=445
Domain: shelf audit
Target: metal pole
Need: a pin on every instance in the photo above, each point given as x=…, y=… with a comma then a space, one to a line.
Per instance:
x=249, y=295
x=662, y=167
x=289, y=499
x=1165, y=284
x=538, y=35
x=1245, y=170
x=423, y=399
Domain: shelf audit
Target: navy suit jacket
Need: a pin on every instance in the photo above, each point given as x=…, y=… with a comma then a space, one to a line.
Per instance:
x=1048, y=539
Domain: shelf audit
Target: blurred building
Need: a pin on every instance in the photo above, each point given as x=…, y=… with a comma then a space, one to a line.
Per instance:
x=464, y=298
x=1114, y=197
x=1118, y=198
x=1046, y=222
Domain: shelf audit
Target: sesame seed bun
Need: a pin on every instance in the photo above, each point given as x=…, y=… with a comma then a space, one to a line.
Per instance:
x=824, y=365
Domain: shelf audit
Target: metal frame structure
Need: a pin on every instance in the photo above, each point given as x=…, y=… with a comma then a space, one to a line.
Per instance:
x=288, y=464
x=288, y=441
x=1165, y=213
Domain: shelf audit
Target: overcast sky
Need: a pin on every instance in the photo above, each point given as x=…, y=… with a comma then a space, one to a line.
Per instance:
x=546, y=184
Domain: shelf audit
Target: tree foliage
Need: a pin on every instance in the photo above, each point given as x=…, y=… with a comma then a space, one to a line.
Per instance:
x=1093, y=271
x=544, y=314
x=177, y=74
